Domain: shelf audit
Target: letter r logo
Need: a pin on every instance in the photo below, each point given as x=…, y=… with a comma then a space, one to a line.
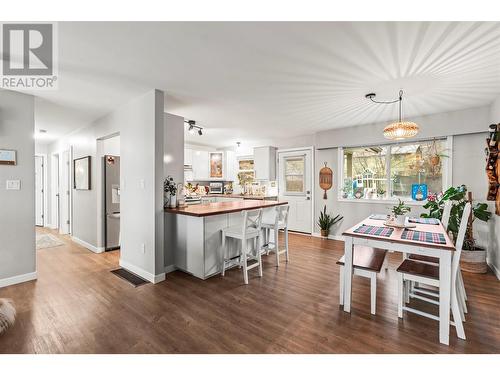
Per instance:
x=27, y=49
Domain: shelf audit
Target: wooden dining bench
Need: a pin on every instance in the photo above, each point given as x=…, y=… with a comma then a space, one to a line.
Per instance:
x=367, y=262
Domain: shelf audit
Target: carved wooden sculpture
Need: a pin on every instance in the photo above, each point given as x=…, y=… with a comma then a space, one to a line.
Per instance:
x=493, y=166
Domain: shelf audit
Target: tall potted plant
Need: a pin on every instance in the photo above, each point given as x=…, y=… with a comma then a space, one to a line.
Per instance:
x=473, y=258
x=326, y=221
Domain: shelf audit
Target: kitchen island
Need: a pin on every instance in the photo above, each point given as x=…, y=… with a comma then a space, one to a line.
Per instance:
x=194, y=234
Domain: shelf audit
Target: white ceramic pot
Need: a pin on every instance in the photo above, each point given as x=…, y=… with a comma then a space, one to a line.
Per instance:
x=173, y=201
x=400, y=220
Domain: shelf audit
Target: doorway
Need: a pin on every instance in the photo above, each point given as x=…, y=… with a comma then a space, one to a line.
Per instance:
x=295, y=168
x=39, y=191
x=65, y=193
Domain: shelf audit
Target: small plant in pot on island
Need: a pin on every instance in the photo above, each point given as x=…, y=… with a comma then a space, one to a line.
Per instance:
x=170, y=190
x=326, y=221
x=399, y=211
x=473, y=258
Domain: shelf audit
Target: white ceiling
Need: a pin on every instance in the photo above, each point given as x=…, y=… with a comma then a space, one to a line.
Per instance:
x=256, y=81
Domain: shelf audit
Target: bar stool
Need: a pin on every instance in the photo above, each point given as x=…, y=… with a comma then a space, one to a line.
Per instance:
x=248, y=230
x=279, y=222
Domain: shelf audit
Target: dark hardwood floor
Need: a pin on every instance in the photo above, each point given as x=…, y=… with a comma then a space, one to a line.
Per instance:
x=78, y=306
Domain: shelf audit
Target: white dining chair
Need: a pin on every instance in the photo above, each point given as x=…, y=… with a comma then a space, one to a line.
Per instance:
x=250, y=229
x=428, y=274
x=462, y=295
x=277, y=223
x=367, y=262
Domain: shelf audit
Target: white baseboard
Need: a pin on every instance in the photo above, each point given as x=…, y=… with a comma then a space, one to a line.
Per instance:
x=18, y=279
x=142, y=273
x=496, y=271
x=91, y=247
x=330, y=237
x=170, y=268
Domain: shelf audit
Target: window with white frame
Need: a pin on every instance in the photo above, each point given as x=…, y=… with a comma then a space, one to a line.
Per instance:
x=411, y=170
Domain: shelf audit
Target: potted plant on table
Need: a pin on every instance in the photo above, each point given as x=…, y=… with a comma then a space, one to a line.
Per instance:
x=170, y=190
x=326, y=221
x=473, y=258
x=400, y=211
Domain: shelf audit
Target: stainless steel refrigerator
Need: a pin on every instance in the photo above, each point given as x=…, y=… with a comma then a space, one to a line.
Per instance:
x=111, y=202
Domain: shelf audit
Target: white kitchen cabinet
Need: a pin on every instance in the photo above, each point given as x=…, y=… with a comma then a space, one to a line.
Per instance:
x=200, y=165
x=231, y=170
x=188, y=156
x=265, y=163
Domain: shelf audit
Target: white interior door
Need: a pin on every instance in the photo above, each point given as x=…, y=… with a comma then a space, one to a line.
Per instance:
x=64, y=190
x=39, y=198
x=295, y=186
x=55, y=198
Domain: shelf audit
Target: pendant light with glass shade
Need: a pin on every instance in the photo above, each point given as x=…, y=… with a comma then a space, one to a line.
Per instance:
x=401, y=129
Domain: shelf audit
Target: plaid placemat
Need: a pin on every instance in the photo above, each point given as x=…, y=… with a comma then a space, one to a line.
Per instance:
x=415, y=235
x=423, y=220
x=375, y=231
x=378, y=217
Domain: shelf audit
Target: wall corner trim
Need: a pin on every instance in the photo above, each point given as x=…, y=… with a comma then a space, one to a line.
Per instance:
x=170, y=268
x=142, y=273
x=495, y=270
x=91, y=247
x=18, y=279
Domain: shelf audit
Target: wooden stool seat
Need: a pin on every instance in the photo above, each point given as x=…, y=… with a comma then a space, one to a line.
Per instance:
x=415, y=268
x=367, y=262
x=423, y=258
x=368, y=258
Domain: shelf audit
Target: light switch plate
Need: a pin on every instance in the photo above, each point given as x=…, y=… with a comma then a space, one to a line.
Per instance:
x=13, y=185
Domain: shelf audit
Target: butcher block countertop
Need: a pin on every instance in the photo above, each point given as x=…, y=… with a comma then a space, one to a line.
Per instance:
x=219, y=208
x=258, y=197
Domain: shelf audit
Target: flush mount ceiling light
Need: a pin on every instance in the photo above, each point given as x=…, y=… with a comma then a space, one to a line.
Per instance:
x=192, y=127
x=401, y=129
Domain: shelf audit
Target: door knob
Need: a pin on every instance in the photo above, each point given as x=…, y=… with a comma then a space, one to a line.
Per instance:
x=308, y=198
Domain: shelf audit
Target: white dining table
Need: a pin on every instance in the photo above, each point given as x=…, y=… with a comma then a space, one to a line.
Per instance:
x=395, y=243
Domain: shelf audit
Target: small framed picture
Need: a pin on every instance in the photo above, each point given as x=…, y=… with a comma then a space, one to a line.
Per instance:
x=419, y=192
x=7, y=157
x=81, y=173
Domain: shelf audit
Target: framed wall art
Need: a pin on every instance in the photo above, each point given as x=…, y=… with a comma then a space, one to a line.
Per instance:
x=81, y=173
x=7, y=157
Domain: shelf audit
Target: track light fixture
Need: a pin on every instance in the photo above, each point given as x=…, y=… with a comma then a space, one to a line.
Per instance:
x=192, y=127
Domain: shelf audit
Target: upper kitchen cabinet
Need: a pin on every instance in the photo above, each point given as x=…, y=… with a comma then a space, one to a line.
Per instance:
x=216, y=167
x=200, y=165
x=231, y=172
x=222, y=165
x=188, y=156
x=265, y=163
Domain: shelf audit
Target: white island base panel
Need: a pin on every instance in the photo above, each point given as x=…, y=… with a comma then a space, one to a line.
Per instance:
x=196, y=242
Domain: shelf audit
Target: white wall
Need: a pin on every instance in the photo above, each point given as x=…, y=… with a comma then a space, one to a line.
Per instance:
x=17, y=207
x=173, y=162
x=467, y=121
x=141, y=201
